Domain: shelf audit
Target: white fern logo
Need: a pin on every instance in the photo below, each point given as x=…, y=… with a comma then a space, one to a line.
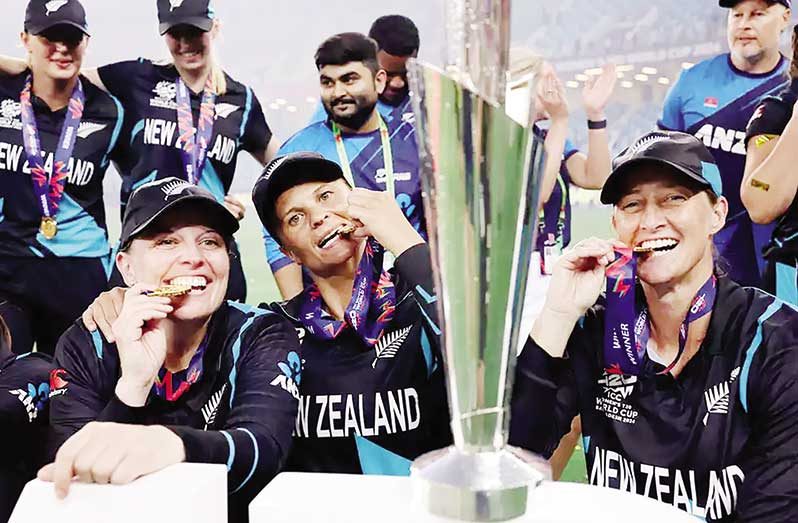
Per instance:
x=86, y=129
x=717, y=397
x=389, y=344
x=212, y=407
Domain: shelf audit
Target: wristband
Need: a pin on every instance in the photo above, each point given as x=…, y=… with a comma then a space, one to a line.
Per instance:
x=601, y=124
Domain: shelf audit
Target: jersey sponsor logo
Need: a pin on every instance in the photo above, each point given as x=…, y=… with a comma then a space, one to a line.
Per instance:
x=86, y=129
x=14, y=160
x=728, y=140
x=290, y=374
x=211, y=407
x=381, y=176
x=9, y=114
x=54, y=5
x=389, y=344
x=705, y=494
x=616, y=389
x=717, y=396
x=223, y=110
x=711, y=102
x=346, y=415
x=409, y=117
x=165, y=95
x=33, y=398
x=58, y=382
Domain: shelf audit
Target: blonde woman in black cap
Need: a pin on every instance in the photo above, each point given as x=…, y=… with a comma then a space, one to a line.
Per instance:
x=58, y=133
x=187, y=116
x=188, y=376
x=685, y=381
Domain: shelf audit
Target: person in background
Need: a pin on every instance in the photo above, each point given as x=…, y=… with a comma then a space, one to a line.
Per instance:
x=770, y=186
x=373, y=152
x=715, y=99
x=58, y=134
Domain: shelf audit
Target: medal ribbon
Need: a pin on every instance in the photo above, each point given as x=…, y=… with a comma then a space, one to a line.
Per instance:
x=387, y=156
x=171, y=385
x=195, y=142
x=50, y=188
x=626, y=332
x=370, y=310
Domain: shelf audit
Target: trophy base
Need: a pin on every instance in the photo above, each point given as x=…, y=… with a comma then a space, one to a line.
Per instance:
x=481, y=486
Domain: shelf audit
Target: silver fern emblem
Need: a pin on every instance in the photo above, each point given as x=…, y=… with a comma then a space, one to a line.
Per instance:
x=717, y=397
x=212, y=406
x=389, y=344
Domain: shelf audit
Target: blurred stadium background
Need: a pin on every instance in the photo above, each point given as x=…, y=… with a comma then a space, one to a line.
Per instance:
x=270, y=46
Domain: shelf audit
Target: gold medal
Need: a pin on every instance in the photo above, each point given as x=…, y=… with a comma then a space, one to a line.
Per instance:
x=170, y=291
x=48, y=227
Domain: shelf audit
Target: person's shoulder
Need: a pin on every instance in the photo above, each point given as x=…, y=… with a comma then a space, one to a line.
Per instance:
x=757, y=315
x=99, y=100
x=246, y=319
x=288, y=309
x=91, y=348
x=308, y=138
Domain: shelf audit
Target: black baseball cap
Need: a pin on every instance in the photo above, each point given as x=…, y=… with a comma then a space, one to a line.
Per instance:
x=152, y=200
x=196, y=13
x=285, y=172
x=41, y=15
x=732, y=3
x=683, y=152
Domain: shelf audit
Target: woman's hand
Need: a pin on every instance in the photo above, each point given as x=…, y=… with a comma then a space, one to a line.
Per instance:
x=103, y=311
x=140, y=343
x=578, y=277
x=113, y=453
x=378, y=215
x=551, y=96
x=597, y=92
x=235, y=207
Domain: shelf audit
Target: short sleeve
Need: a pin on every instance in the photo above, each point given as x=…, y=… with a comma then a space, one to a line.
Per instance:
x=569, y=150
x=672, y=118
x=770, y=117
x=256, y=132
x=117, y=77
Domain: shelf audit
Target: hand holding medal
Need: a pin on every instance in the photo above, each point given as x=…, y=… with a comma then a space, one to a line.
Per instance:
x=380, y=217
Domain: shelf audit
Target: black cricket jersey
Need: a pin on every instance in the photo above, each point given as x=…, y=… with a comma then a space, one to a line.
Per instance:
x=372, y=410
x=81, y=215
x=771, y=117
x=148, y=92
x=240, y=412
x=719, y=441
x=24, y=393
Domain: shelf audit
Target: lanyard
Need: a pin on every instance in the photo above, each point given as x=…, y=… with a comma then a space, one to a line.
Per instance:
x=626, y=332
x=387, y=155
x=195, y=142
x=560, y=218
x=50, y=189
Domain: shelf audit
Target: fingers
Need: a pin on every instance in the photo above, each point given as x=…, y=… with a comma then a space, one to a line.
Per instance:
x=590, y=250
x=62, y=469
x=236, y=208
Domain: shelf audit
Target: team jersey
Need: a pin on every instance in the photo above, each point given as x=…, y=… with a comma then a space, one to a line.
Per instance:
x=559, y=200
x=373, y=409
x=714, y=101
x=148, y=91
x=366, y=160
x=24, y=394
x=240, y=412
x=719, y=441
x=771, y=117
x=80, y=215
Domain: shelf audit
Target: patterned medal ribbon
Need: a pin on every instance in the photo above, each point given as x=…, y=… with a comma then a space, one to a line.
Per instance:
x=195, y=141
x=171, y=385
x=370, y=310
x=626, y=332
x=50, y=188
x=387, y=155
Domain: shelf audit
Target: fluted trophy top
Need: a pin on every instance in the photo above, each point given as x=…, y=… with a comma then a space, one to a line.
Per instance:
x=477, y=45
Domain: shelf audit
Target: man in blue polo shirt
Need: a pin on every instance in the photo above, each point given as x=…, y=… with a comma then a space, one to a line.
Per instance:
x=714, y=101
x=374, y=152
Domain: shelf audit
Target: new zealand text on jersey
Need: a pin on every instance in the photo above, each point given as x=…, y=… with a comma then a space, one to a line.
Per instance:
x=12, y=156
x=716, y=137
x=164, y=133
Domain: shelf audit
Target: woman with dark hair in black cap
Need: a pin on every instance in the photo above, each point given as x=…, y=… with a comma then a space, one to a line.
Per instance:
x=188, y=376
x=57, y=134
x=685, y=381
x=187, y=116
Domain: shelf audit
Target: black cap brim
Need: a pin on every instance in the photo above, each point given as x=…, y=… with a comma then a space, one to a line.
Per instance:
x=37, y=30
x=611, y=192
x=200, y=22
x=227, y=223
x=292, y=172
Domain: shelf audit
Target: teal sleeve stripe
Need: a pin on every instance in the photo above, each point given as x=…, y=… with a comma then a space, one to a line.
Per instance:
x=751, y=352
x=254, y=460
x=245, y=118
x=232, y=449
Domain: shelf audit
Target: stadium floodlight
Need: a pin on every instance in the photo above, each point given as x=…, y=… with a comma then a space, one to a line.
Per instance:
x=573, y=84
x=649, y=70
x=640, y=77
x=664, y=80
x=581, y=77
x=625, y=68
x=627, y=84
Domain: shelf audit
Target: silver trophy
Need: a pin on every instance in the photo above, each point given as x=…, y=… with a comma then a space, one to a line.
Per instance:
x=480, y=177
